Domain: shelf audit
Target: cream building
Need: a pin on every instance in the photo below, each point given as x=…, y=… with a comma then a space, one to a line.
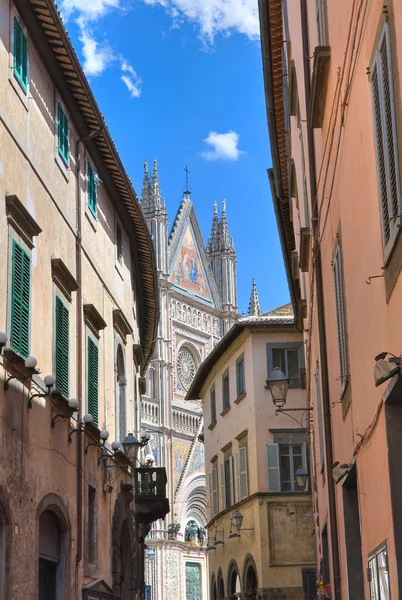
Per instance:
x=260, y=542
x=198, y=304
x=78, y=303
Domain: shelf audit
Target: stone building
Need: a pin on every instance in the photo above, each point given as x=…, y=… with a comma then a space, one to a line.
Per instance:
x=79, y=315
x=260, y=520
x=333, y=89
x=198, y=304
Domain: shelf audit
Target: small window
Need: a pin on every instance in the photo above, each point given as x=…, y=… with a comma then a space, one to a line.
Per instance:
x=92, y=390
x=288, y=362
x=227, y=481
x=322, y=22
x=20, y=300
x=119, y=243
x=20, y=55
x=240, y=381
x=213, y=404
x=63, y=139
x=283, y=461
x=213, y=490
x=383, y=101
x=340, y=317
x=378, y=575
x=92, y=526
x=225, y=391
x=62, y=348
x=92, y=189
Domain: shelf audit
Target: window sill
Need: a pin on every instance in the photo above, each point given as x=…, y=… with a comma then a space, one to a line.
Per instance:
x=225, y=411
x=212, y=425
x=240, y=397
x=65, y=170
x=119, y=269
x=21, y=93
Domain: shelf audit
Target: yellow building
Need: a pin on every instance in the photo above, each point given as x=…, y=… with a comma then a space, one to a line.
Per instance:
x=78, y=303
x=260, y=541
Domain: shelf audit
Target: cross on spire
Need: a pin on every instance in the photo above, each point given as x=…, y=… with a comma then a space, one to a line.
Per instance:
x=187, y=191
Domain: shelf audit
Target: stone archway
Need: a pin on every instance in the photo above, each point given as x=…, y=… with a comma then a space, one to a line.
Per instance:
x=250, y=579
x=234, y=584
x=125, y=571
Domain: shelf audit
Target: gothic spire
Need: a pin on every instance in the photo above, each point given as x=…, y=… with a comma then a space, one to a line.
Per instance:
x=254, y=308
x=156, y=191
x=146, y=188
x=213, y=241
x=225, y=242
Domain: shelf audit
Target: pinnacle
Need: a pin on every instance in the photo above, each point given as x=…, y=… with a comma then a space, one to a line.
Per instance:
x=254, y=308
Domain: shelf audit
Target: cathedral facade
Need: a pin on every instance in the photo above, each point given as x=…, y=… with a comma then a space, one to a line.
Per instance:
x=198, y=304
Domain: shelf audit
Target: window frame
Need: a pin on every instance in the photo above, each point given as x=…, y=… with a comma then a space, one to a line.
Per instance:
x=92, y=188
x=65, y=157
x=24, y=83
x=322, y=22
x=225, y=391
x=375, y=593
x=212, y=401
x=242, y=473
x=228, y=482
x=287, y=346
x=15, y=240
x=213, y=490
x=241, y=390
x=274, y=479
x=341, y=319
x=58, y=296
x=387, y=217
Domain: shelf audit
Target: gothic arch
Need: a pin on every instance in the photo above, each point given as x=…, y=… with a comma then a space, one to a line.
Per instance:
x=53, y=505
x=214, y=589
x=233, y=580
x=250, y=577
x=192, y=499
x=221, y=586
x=124, y=571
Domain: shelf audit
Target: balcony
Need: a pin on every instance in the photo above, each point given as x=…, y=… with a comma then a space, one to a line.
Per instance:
x=151, y=503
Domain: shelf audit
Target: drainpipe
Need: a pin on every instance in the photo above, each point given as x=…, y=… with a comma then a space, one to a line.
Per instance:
x=78, y=266
x=320, y=313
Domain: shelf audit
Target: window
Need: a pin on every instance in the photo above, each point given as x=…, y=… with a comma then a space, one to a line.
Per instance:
x=91, y=189
x=340, y=318
x=50, y=547
x=63, y=142
x=225, y=390
x=319, y=419
x=379, y=575
x=227, y=477
x=322, y=22
x=382, y=93
x=283, y=461
x=288, y=362
x=20, y=55
x=212, y=397
x=62, y=348
x=242, y=473
x=92, y=526
x=119, y=243
x=92, y=368
x=240, y=381
x=213, y=491
x=121, y=383
x=20, y=300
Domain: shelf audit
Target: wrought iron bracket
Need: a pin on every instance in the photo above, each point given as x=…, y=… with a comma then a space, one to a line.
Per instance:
x=306, y=419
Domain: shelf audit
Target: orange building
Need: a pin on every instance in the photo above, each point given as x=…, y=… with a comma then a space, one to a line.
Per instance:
x=333, y=94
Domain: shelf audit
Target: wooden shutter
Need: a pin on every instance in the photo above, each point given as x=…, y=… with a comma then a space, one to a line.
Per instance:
x=20, y=300
x=305, y=462
x=231, y=481
x=223, y=485
x=62, y=348
x=122, y=411
x=340, y=316
x=63, y=133
x=274, y=480
x=91, y=188
x=319, y=416
x=93, y=379
x=211, y=493
x=20, y=54
x=383, y=101
x=242, y=473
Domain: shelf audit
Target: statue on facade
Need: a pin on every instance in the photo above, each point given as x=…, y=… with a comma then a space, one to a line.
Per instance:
x=191, y=532
x=173, y=530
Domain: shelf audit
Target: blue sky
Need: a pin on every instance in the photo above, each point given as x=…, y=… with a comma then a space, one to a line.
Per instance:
x=181, y=81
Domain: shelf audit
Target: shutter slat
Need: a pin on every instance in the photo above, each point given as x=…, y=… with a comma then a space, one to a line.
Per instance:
x=340, y=315
x=20, y=300
x=223, y=484
x=274, y=481
x=62, y=348
x=93, y=380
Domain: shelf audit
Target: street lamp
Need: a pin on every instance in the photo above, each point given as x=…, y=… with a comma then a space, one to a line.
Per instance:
x=131, y=445
x=301, y=477
x=237, y=519
x=278, y=385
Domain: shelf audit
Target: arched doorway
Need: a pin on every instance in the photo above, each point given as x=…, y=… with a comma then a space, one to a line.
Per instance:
x=234, y=585
x=251, y=583
x=50, y=555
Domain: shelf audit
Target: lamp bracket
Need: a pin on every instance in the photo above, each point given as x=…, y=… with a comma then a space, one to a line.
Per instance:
x=306, y=419
x=97, y=444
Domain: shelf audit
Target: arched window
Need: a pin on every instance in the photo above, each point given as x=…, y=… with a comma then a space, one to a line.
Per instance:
x=214, y=591
x=121, y=383
x=221, y=589
x=234, y=582
x=251, y=583
x=50, y=551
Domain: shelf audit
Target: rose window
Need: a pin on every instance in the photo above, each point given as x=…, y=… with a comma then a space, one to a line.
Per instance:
x=186, y=367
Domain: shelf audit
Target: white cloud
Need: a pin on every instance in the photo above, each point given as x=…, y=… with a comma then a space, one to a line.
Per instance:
x=96, y=57
x=87, y=10
x=216, y=16
x=224, y=146
x=131, y=79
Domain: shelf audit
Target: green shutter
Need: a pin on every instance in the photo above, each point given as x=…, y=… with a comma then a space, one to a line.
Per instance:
x=20, y=300
x=63, y=133
x=93, y=380
x=20, y=55
x=62, y=347
x=91, y=189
